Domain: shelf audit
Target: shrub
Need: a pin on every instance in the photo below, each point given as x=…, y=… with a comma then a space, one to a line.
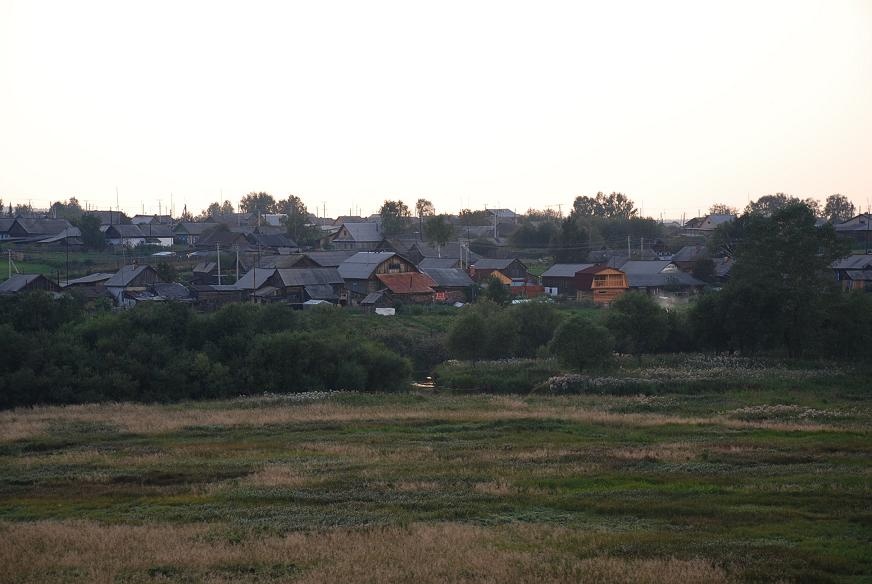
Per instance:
x=581, y=343
x=639, y=325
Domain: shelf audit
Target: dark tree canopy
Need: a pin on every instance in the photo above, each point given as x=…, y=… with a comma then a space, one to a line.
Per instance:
x=393, y=215
x=438, y=230
x=838, y=208
x=297, y=221
x=612, y=206
x=424, y=208
x=722, y=209
x=92, y=237
x=581, y=343
x=638, y=323
x=258, y=203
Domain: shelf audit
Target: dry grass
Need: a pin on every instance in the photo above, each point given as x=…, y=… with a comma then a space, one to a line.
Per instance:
x=90, y=552
x=150, y=419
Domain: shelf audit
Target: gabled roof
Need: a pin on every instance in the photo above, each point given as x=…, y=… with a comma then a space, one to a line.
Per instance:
x=255, y=278
x=221, y=237
x=321, y=292
x=124, y=231
x=310, y=276
x=90, y=279
x=156, y=229
x=449, y=277
x=859, y=275
x=361, y=265
x=565, y=270
x=18, y=282
x=329, y=259
x=33, y=226
x=861, y=222
x=6, y=223
x=193, y=228
x=71, y=232
x=639, y=267
x=662, y=280
x=272, y=240
x=854, y=262
x=408, y=283
x=148, y=219
x=107, y=217
x=126, y=275
x=362, y=232
x=171, y=291
x=436, y=263
x=493, y=264
x=503, y=213
x=690, y=253
x=205, y=268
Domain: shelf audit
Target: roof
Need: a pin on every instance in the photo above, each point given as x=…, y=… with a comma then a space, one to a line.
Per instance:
x=861, y=222
x=221, y=237
x=156, y=229
x=205, y=267
x=862, y=275
x=146, y=219
x=854, y=262
x=363, y=232
x=321, y=292
x=449, y=277
x=171, y=290
x=192, y=228
x=272, y=240
x=66, y=233
x=493, y=264
x=373, y=297
x=690, y=253
x=407, y=283
x=565, y=270
x=449, y=250
x=255, y=278
x=639, y=267
x=662, y=280
x=503, y=213
x=126, y=230
x=35, y=226
x=107, y=217
x=329, y=259
x=361, y=265
x=723, y=266
x=6, y=223
x=126, y=275
x=18, y=282
x=310, y=276
x=435, y=263
x=90, y=279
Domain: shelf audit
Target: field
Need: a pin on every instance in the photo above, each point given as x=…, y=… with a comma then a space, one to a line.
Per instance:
x=733, y=485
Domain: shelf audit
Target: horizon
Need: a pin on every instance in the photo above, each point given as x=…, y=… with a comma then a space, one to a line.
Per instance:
x=679, y=105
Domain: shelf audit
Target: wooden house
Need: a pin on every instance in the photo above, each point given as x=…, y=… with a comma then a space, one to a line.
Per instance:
x=507, y=271
x=854, y=272
x=358, y=236
x=451, y=284
x=409, y=287
x=857, y=228
x=660, y=277
x=129, y=282
x=361, y=271
x=213, y=297
x=20, y=283
x=90, y=287
x=598, y=282
x=189, y=233
x=294, y=285
x=33, y=229
x=124, y=235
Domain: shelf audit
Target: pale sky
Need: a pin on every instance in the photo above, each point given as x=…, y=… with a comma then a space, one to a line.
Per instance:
x=518, y=105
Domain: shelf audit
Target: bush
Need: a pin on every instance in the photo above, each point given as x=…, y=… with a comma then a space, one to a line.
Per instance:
x=639, y=325
x=509, y=376
x=580, y=343
x=483, y=331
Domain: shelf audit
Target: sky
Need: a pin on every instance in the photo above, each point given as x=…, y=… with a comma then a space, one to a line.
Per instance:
x=678, y=104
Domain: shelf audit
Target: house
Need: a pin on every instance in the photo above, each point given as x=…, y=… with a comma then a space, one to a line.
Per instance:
x=108, y=217
x=687, y=256
x=32, y=229
x=68, y=238
x=5, y=225
x=160, y=234
x=124, y=235
x=598, y=282
x=451, y=284
x=221, y=237
x=508, y=271
x=91, y=286
x=19, y=283
x=659, y=277
x=294, y=286
x=329, y=259
x=858, y=229
x=151, y=220
x=408, y=287
x=706, y=225
x=420, y=251
x=854, y=272
x=129, y=282
x=503, y=215
x=358, y=236
x=205, y=273
x=438, y=263
x=171, y=292
x=360, y=271
x=342, y=219
x=213, y=297
x=189, y=233
x=273, y=242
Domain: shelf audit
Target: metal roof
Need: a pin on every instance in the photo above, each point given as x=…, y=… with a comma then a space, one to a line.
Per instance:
x=854, y=262
x=492, y=264
x=90, y=279
x=662, y=280
x=408, y=283
x=362, y=232
x=639, y=267
x=565, y=270
x=125, y=275
x=18, y=282
x=449, y=277
x=321, y=292
x=329, y=259
x=690, y=253
x=361, y=265
x=310, y=276
x=436, y=263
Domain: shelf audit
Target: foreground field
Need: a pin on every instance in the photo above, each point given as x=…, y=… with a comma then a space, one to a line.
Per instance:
x=729, y=486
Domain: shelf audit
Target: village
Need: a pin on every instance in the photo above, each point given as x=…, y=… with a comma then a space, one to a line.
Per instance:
x=377, y=263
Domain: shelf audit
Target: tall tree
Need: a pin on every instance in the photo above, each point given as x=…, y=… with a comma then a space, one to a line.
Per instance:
x=722, y=209
x=838, y=208
x=438, y=230
x=92, y=237
x=393, y=217
x=423, y=208
x=639, y=325
x=612, y=206
x=258, y=203
x=213, y=210
x=297, y=221
x=769, y=204
x=226, y=208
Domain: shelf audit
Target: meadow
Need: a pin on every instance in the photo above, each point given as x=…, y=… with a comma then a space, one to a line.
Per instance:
x=736, y=485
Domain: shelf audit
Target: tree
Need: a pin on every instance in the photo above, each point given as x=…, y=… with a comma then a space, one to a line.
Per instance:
x=70, y=210
x=483, y=331
x=23, y=210
x=722, y=209
x=470, y=218
x=438, y=230
x=612, y=206
x=581, y=343
x=166, y=272
x=537, y=322
x=496, y=292
x=212, y=211
x=393, y=216
x=92, y=237
x=297, y=221
x=768, y=204
x=226, y=208
x=424, y=208
x=258, y=203
x=838, y=208
x=186, y=215
x=704, y=269
x=639, y=325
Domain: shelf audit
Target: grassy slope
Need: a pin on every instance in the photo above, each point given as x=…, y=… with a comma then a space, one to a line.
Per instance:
x=425, y=487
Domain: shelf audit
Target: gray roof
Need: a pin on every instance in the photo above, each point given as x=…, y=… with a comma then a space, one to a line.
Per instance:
x=205, y=267
x=321, y=292
x=90, y=279
x=565, y=270
x=126, y=230
x=862, y=275
x=255, y=278
x=329, y=259
x=373, y=297
x=361, y=265
x=43, y=226
x=690, y=253
x=18, y=282
x=492, y=264
x=156, y=229
x=639, y=267
x=171, y=290
x=430, y=263
x=503, y=213
x=854, y=262
x=107, y=217
x=449, y=277
x=125, y=275
x=66, y=233
x=662, y=280
x=193, y=228
x=6, y=223
x=861, y=222
x=310, y=276
x=451, y=249
x=364, y=232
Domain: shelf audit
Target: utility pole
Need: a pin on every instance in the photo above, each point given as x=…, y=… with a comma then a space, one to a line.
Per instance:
x=628, y=248
x=237, y=262
x=641, y=248
x=218, y=249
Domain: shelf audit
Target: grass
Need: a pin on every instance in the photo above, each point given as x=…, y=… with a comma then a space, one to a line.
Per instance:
x=736, y=485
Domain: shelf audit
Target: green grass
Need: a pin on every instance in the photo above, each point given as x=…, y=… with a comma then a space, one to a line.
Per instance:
x=777, y=497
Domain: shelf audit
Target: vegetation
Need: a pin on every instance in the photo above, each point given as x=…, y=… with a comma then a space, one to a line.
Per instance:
x=393, y=217
x=732, y=486
x=582, y=343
